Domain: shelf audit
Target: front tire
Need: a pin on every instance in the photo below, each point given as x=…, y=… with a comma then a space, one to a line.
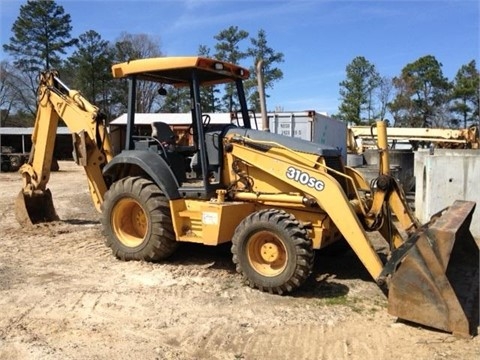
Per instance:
x=137, y=221
x=272, y=251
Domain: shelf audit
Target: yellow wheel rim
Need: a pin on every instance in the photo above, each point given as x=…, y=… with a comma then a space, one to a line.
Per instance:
x=267, y=253
x=129, y=222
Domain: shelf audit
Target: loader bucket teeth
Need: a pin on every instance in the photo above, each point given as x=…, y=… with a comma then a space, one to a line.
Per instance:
x=437, y=282
x=35, y=209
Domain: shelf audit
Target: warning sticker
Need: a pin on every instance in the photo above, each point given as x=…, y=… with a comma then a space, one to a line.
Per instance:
x=210, y=218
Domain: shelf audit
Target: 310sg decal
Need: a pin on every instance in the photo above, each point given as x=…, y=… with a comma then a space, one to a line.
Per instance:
x=305, y=179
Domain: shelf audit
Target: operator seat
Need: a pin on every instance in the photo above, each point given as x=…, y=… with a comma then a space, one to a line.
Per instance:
x=163, y=133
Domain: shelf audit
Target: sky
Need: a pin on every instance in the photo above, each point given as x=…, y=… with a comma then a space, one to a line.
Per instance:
x=318, y=38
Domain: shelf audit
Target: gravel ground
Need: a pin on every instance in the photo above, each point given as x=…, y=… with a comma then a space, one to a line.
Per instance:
x=64, y=296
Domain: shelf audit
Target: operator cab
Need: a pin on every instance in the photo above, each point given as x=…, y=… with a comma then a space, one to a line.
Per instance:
x=196, y=164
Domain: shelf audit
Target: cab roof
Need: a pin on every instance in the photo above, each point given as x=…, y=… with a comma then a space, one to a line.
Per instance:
x=178, y=70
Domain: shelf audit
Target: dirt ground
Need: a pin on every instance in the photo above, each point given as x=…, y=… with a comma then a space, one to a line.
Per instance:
x=64, y=296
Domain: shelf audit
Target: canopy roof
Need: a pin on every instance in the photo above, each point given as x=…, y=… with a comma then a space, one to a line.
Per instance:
x=178, y=70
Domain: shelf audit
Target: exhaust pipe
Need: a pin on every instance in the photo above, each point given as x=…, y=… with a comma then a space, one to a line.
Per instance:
x=261, y=95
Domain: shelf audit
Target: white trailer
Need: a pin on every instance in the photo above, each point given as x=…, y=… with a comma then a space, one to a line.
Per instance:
x=311, y=126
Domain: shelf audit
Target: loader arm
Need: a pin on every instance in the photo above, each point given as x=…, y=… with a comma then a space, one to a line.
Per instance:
x=92, y=148
x=433, y=275
x=309, y=178
x=430, y=276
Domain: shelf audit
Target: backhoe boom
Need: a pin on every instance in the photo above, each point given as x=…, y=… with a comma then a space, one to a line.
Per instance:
x=92, y=148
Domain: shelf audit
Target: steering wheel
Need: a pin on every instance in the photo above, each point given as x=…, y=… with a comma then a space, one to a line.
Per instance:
x=206, y=120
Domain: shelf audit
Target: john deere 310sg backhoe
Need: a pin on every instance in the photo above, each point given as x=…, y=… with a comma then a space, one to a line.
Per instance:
x=277, y=199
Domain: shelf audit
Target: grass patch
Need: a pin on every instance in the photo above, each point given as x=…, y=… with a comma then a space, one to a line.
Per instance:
x=354, y=303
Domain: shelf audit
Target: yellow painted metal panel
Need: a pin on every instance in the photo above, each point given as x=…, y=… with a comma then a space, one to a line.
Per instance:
x=209, y=223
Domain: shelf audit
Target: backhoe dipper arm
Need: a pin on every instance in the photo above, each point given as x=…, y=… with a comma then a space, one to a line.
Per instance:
x=91, y=142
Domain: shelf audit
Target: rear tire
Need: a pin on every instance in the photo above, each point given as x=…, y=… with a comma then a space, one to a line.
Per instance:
x=5, y=166
x=15, y=162
x=272, y=251
x=137, y=221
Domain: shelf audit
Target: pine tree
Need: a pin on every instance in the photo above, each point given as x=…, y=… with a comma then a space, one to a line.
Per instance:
x=261, y=51
x=228, y=49
x=422, y=92
x=357, y=90
x=89, y=68
x=40, y=34
x=466, y=94
x=208, y=94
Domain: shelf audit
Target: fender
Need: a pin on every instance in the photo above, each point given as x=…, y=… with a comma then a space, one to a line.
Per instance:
x=151, y=163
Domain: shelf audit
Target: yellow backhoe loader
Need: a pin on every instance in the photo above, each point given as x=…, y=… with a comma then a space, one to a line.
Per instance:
x=277, y=199
x=360, y=138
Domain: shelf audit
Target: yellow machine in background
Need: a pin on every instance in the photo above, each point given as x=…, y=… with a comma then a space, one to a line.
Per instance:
x=276, y=198
x=360, y=138
x=91, y=147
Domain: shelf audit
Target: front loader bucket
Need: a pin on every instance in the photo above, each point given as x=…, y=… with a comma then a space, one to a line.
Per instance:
x=33, y=209
x=436, y=282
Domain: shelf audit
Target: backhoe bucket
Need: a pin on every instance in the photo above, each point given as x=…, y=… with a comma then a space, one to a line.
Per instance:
x=34, y=209
x=436, y=281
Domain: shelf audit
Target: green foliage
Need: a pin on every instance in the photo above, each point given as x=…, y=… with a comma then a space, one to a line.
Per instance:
x=421, y=91
x=177, y=100
x=466, y=94
x=227, y=46
x=357, y=89
x=271, y=74
x=40, y=34
x=89, y=68
x=208, y=94
x=228, y=49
